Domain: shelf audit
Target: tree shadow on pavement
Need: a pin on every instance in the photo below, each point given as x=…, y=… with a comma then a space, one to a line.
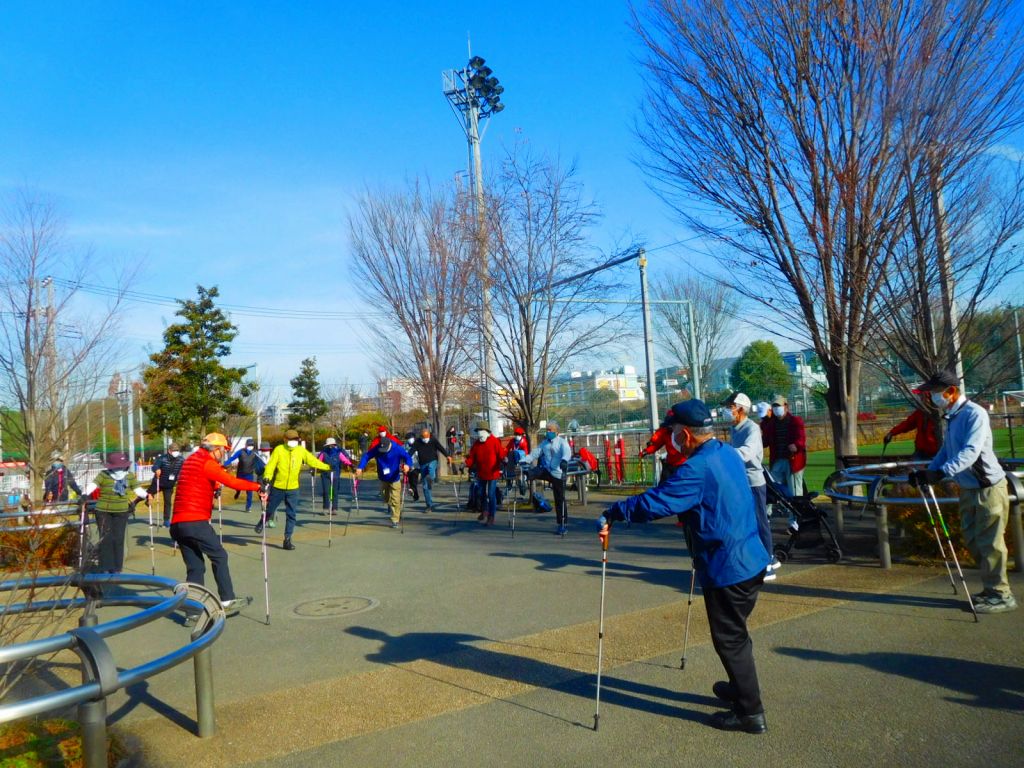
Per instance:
x=458, y=651
x=989, y=686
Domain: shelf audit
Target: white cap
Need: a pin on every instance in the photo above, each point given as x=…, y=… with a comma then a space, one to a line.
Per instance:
x=330, y=441
x=762, y=409
x=741, y=401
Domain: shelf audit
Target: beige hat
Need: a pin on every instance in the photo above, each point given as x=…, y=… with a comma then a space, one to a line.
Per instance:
x=780, y=400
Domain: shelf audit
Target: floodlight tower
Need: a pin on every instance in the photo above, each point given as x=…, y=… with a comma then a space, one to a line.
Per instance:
x=474, y=94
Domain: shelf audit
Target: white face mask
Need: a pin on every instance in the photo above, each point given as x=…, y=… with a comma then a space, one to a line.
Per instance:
x=293, y=443
x=382, y=436
x=778, y=411
x=119, y=474
x=939, y=401
x=410, y=441
x=735, y=416
x=248, y=449
x=482, y=434
x=175, y=454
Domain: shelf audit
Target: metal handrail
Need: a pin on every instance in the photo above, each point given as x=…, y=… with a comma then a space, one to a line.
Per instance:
x=100, y=676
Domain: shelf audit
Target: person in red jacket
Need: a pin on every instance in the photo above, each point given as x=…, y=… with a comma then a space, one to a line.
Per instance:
x=485, y=458
x=926, y=436
x=201, y=475
x=662, y=439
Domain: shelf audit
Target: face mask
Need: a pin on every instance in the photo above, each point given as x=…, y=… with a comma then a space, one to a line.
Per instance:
x=550, y=435
x=939, y=401
x=175, y=454
x=735, y=415
x=293, y=443
x=382, y=436
x=410, y=441
x=119, y=474
x=57, y=465
x=483, y=434
x=778, y=411
x=248, y=449
x=424, y=439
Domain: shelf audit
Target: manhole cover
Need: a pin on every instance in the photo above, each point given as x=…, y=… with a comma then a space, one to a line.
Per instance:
x=327, y=607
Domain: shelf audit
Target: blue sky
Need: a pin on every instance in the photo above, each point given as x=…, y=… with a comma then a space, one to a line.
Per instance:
x=222, y=143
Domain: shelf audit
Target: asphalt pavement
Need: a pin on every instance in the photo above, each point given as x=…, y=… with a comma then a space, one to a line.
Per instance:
x=455, y=644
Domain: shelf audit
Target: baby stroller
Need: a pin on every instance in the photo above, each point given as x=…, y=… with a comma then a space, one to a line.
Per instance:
x=812, y=529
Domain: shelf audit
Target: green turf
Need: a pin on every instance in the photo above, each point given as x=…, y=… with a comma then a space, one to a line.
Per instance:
x=820, y=464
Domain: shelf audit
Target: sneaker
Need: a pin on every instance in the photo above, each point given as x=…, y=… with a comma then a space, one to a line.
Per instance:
x=996, y=604
x=769, y=575
x=259, y=528
x=562, y=530
x=394, y=525
x=730, y=721
x=231, y=607
x=428, y=509
x=980, y=597
x=774, y=565
x=271, y=523
x=248, y=510
x=288, y=545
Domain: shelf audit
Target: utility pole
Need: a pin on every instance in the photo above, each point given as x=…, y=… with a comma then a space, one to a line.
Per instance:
x=652, y=385
x=1020, y=357
x=474, y=94
x=691, y=333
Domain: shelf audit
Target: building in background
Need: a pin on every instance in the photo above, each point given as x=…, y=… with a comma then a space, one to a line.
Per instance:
x=276, y=414
x=576, y=387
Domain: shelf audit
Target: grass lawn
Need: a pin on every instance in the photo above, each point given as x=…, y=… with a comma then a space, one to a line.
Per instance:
x=820, y=464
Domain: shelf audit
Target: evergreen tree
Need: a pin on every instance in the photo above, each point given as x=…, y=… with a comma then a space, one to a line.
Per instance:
x=188, y=389
x=760, y=372
x=308, y=403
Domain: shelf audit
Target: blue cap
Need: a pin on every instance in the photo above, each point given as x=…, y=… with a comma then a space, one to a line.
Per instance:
x=690, y=413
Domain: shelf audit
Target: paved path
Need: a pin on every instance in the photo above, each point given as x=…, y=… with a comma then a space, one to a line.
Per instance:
x=482, y=648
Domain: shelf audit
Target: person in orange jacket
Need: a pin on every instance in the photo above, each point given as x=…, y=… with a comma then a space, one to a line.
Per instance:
x=485, y=458
x=926, y=435
x=662, y=439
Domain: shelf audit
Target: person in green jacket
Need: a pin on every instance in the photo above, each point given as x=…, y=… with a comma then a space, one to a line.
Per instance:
x=282, y=475
x=115, y=500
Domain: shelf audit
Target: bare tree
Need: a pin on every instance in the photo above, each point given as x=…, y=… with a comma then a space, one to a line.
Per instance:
x=411, y=255
x=536, y=225
x=56, y=348
x=779, y=130
x=714, y=307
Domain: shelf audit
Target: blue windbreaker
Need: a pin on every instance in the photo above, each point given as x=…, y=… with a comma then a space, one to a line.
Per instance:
x=712, y=487
x=389, y=462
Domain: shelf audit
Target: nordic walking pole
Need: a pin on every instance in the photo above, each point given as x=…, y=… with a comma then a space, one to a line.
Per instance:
x=355, y=496
x=689, y=602
x=604, y=533
x=952, y=551
x=401, y=501
x=330, y=513
x=220, y=514
x=458, y=504
x=938, y=540
x=152, y=550
x=263, y=547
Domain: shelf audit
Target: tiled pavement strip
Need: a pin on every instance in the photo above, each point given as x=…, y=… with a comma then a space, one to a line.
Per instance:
x=283, y=721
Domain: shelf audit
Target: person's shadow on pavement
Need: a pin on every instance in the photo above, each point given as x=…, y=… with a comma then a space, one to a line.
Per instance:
x=459, y=651
x=991, y=686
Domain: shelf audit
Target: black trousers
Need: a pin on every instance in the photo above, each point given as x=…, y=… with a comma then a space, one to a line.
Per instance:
x=728, y=609
x=558, y=490
x=112, y=527
x=155, y=489
x=196, y=539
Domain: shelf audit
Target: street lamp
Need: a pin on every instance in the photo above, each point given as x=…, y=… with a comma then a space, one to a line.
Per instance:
x=474, y=94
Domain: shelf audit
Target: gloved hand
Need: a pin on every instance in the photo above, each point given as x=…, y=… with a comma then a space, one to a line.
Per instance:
x=922, y=477
x=216, y=493
x=604, y=530
x=888, y=438
x=564, y=466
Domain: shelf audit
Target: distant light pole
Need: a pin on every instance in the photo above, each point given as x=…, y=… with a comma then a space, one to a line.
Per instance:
x=474, y=94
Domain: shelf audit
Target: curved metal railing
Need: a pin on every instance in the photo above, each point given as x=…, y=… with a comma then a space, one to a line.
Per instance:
x=100, y=675
x=870, y=485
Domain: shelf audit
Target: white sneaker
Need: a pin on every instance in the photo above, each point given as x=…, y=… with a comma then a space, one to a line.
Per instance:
x=769, y=575
x=774, y=565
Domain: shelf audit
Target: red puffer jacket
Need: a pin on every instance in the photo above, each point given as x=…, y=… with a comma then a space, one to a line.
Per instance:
x=485, y=458
x=662, y=438
x=199, y=478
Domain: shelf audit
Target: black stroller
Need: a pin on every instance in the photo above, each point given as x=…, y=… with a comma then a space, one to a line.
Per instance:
x=813, y=528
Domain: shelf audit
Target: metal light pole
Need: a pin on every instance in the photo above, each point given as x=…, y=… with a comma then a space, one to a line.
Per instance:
x=652, y=385
x=474, y=94
x=1020, y=357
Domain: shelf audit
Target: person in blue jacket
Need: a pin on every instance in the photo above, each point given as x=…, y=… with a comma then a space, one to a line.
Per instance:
x=727, y=552
x=336, y=457
x=250, y=467
x=393, y=461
